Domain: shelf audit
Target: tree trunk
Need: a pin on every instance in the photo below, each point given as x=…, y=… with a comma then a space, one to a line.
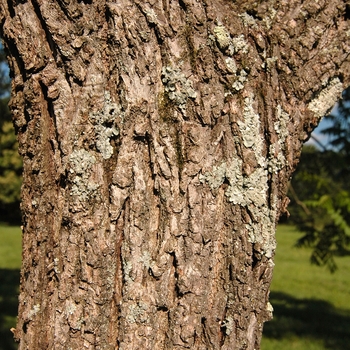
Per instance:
x=158, y=138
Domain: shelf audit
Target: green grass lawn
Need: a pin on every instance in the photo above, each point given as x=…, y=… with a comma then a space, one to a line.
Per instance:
x=10, y=247
x=312, y=306
x=10, y=263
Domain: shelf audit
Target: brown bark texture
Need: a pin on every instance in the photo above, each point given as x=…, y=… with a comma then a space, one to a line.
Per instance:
x=158, y=138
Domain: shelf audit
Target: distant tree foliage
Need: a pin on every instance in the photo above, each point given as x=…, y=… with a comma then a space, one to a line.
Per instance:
x=4, y=78
x=339, y=131
x=320, y=192
x=10, y=161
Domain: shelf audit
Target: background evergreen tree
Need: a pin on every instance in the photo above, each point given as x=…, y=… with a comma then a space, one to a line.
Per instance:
x=339, y=129
x=10, y=161
x=320, y=191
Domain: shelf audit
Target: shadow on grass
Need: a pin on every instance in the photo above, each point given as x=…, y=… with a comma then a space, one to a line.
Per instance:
x=308, y=318
x=9, y=282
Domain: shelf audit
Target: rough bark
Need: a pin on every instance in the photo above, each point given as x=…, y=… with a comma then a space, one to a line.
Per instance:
x=158, y=138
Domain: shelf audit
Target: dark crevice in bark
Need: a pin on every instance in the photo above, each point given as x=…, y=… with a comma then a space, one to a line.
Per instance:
x=222, y=336
x=165, y=4
x=205, y=333
x=178, y=149
x=150, y=272
x=191, y=47
x=183, y=5
x=10, y=8
x=160, y=39
x=141, y=138
x=76, y=80
x=48, y=35
x=25, y=326
x=27, y=118
x=50, y=109
x=347, y=12
x=231, y=272
x=270, y=185
x=255, y=258
x=64, y=9
x=205, y=242
x=144, y=13
x=109, y=17
x=15, y=55
x=162, y=308
x=121, y=223
x=254, y=14
x=178, y=293
x=66, y=74
x=151, y=156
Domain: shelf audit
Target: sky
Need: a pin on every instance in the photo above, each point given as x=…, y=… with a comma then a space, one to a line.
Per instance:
x=323, y=139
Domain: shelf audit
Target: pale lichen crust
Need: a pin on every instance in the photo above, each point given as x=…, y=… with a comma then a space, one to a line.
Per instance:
x=251, y=191
x=105, y=125
x=222, y=36
x=248, y=20
x=81, y=162
x=178, y=87
x=326, y=99
x=226, y=43
x=250, y=130
x=231, y=65
x=243, y=190
x=241, y=79
x=277, y=159
x=231, y=46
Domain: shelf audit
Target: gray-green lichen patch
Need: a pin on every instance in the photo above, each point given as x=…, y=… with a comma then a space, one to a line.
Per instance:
x=239, y=44
x=262, y=229
x=281, y=125
x=74, y=313
x=231, y=65
x=243, y=190
x=241, y=79
x=277, y=159
x=137, y=313
x=178, y=87
x=105, y=125
x=81, y=163
x=70, y=307
x=33, y=311
x=146, y=259
x=248, y=20
x=228, y=324
x=151, y=16
x=222, y=37
x=232, y=45
x=269, y=18
x=326, y=99
x=251, y=191
x=269, y=62
x=246, y=190
x=127, y=267
x=216, y=178
x=269, y=307
x=250, y=130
